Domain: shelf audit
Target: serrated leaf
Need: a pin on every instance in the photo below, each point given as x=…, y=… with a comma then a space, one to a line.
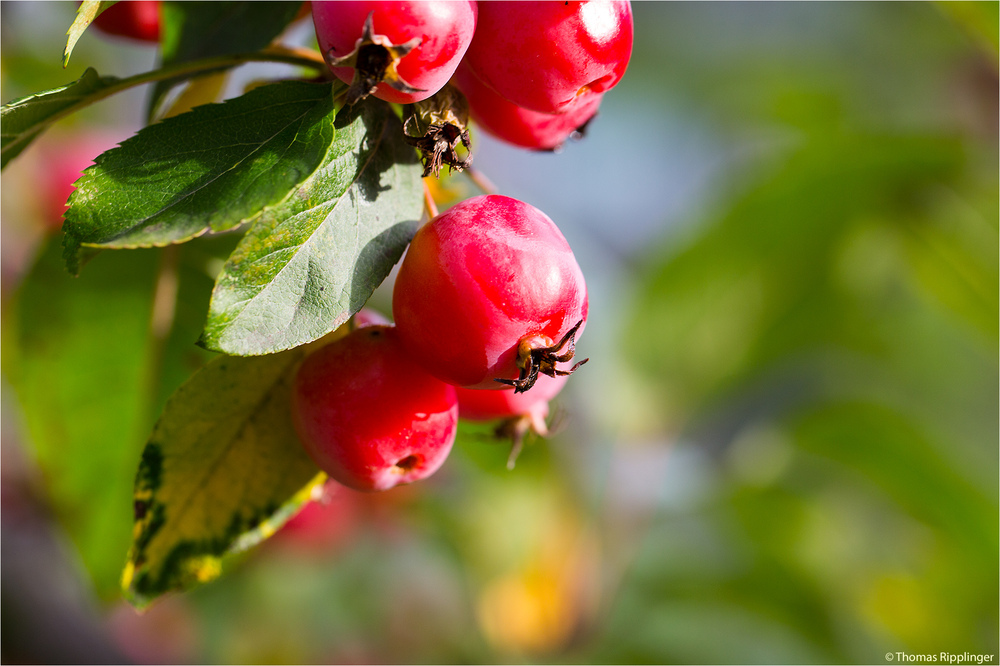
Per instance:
x=310, y=263
x=222, y=469
x=25, y=118
x=196, y=30
x=91, y=365
x=85, y=15
x=207, y=170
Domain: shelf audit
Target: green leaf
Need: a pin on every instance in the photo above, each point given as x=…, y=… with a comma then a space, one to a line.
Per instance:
x=207, y=170
x=980, y=20
x=310, y=263
x=83, y=397
x=92, y=360
x=85, y=15
x=891, y=451
x=196, y=30
x=222, y=470
x=27, y=117
x=766, y=279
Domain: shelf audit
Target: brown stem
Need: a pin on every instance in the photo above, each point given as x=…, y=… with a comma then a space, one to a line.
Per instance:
x=429, y=205
x=480, y=180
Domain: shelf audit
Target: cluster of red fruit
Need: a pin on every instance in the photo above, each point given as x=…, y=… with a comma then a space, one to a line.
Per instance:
x=488, y=300
x=533, y=73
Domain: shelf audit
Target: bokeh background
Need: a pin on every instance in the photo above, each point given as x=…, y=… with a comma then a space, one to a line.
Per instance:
x=783, y=450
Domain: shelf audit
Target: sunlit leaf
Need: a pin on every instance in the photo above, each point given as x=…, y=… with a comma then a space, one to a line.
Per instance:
x=311, y=262
x=207, y=170
x=85, y=15
x=221, y=470
x=25, y=118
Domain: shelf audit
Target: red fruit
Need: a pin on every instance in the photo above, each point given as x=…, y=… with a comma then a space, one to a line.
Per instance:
x=519, y=126
x=542, y=55
x=324, y=522
x=489, y=290
x=136, y=19
x=477, y=405
x=520, y=413
x=368, y=415
x=406, y=53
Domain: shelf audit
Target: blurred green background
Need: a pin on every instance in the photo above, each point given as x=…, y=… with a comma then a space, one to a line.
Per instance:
x=783, y=450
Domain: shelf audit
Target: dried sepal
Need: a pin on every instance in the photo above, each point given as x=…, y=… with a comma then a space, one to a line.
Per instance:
x=436, y=126
x=374, y=60
x=534, y=358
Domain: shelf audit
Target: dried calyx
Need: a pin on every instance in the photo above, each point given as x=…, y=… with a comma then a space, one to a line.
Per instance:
x=436, y=126
x=374, y=60
x=534, y=357
x=515, y=429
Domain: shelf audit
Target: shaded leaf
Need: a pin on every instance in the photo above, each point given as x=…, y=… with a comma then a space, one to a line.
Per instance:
x=196, y=30
x=767, y=279
x=83, y=399
x=311, y=262
x=222, y=469
x=92, y=360
x=25, y=118
x=892, y=453
x=85, y=15
x=980, y=19
x=207, y=170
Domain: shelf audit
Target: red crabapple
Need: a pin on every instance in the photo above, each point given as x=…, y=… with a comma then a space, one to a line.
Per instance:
x=479, y=405
x=542, y=55
x=523, y=127
x=401, y=52
x=368, y=415
x=136, y=19
x=325, y=521
x=519, y=413
x=489, y=291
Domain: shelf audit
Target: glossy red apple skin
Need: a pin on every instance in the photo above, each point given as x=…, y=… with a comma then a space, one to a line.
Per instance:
x=542, y=55
x=523, y=127
x=368, y=415
x=479, y=280
x=444, y=28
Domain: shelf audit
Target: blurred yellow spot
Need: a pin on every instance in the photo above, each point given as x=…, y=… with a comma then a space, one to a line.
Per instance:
x=127, y=575
x=206, y=568
x=536, y=608
x=444, y=190
x=202, y=90
x=526, y=612
x=897, y=603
